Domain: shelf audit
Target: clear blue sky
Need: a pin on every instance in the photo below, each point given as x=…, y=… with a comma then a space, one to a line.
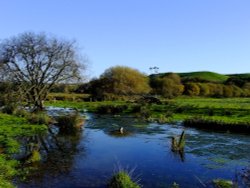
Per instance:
x=175, y=35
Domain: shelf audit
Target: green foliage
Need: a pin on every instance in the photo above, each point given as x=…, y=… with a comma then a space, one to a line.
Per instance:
x=11, y=129
x=40, y=118
x=204, y=76
x=169, y=86
x=220, y=183
x=70, y=124
x=180, y=144
x=7, y=171
x=34, y=157
x=111, y=109
x=119, y=80
x=122, y=180
x=192, y=89
x=68, y=97
x=175, y=185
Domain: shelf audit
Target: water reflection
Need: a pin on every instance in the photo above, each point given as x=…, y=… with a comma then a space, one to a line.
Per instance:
x=87, y=159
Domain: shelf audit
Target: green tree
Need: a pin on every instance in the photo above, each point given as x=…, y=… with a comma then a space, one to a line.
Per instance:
x=121, y=81
x=192, y=89
x=171, y=86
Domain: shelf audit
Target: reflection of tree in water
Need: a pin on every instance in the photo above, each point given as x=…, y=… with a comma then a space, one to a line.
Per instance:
x=58, y=152
x=243, y=177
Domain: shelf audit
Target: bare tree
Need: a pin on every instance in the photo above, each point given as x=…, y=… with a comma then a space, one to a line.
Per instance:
x=35, y=62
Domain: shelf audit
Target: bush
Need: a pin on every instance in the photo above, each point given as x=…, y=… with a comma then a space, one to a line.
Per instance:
x=122, y=180
x=39, y=118
x=69, y=123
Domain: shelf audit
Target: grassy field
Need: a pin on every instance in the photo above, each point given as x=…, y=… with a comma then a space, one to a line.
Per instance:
x=207, y=76
x=231, y=111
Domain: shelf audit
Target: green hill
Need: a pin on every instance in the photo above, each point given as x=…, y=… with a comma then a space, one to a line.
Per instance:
x=240, y=76
x=204, y=76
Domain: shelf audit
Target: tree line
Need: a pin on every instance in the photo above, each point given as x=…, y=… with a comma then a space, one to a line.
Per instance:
x=32, y=65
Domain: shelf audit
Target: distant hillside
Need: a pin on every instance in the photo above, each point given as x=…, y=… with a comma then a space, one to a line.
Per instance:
x=241, y=76
x=205, y=76
x=199, y=76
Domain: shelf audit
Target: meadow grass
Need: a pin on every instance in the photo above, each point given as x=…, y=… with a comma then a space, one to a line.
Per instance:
x=12, y=129
x=223, y=111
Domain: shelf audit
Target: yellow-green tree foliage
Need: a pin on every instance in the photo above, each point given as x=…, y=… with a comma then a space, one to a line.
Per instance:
x=171, y=86
x=122, y=80
x=192, y=89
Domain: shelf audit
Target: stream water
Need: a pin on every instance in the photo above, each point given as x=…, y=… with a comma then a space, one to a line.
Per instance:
x=91, y=157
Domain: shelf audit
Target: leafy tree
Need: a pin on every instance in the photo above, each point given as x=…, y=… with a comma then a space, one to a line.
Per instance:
x=169, y=86
x=36, y=62
x=120, y=81
x=204, y=89
x=192, y=89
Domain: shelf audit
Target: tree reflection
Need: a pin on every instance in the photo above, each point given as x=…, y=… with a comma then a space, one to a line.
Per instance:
x=58, y=152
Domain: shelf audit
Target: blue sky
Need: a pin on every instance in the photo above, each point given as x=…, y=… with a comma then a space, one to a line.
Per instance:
x=174, y=35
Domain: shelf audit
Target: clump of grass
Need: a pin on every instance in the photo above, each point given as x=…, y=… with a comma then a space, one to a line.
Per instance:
x=220, y=183
x=40, y=118
x=7, y=171
x=175, y=185
x=180, y=144
x=218, y=124
x=34, y=157
x=111, y=109
x=70, y=123
x=122, y=180
x=21, y=113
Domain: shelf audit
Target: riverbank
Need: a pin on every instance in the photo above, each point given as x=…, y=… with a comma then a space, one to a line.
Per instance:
x=233, y=114
x=13, y=130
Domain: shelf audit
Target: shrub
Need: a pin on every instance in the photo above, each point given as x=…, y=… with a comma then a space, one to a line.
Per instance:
x=39, y=118
x=122, y=180
x=178, y=146
x=69, y=123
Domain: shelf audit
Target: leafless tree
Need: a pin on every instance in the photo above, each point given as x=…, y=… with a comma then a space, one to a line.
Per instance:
x=36, y=62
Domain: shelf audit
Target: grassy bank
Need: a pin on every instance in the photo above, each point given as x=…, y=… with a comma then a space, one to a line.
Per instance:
x=231, y=114
x=12, y=130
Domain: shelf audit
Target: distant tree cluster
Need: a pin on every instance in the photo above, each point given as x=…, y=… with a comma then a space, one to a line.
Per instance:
x=169, y=86
x=118, y=82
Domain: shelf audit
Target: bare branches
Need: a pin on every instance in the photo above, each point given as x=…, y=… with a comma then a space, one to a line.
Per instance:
x=38, y=62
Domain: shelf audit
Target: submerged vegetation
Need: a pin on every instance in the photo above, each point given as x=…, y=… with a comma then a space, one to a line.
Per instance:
x=220, y=183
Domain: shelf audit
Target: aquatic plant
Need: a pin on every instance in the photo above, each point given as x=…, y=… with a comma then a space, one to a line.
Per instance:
x=70, y=123
x=111, y=109
x=180, y=144
x=218, y=124
x=34, y=157
x=175, y=185
x=220, y=183
x=122, y=180
x=40, y=118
